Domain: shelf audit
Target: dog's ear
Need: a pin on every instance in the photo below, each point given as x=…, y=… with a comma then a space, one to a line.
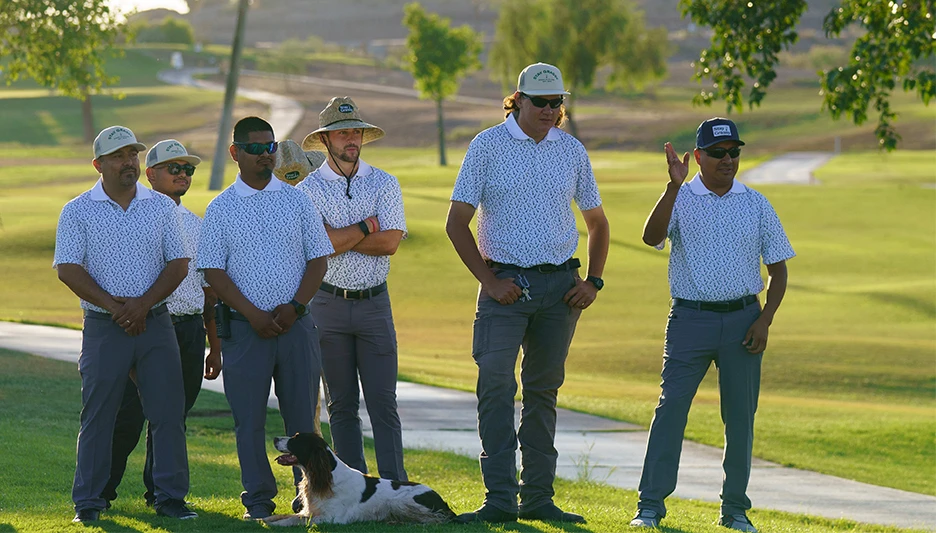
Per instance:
x=319, y=466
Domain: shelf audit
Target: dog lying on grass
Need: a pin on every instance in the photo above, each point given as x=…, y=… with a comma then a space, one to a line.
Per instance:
x=333, y=492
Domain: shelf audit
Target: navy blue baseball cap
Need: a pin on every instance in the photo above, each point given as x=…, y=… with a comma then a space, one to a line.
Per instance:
x=716, y=130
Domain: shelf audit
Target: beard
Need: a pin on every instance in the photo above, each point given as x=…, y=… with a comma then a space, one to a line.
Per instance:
x=265, y=173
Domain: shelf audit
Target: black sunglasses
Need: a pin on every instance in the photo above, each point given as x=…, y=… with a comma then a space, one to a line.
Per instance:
x=175, y=168
x=539, y=101
x=258, y=148
x=719, y=153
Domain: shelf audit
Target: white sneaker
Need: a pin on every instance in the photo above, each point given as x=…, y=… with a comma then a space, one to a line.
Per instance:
x=646, y=518
x=738, y=522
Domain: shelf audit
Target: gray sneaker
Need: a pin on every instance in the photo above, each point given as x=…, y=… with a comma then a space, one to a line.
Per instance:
x=738, y=522
x=646, y=518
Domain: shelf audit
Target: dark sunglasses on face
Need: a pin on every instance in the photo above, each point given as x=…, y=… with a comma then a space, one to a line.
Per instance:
x=719, y=153
x=175, y=169
x=539, y=101
x=258, y=148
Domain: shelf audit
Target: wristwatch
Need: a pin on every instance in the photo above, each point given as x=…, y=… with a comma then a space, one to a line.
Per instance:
x=596, y=281
x=300, y=309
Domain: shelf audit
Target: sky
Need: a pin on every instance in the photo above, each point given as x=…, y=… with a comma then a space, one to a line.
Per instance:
x=144, y=5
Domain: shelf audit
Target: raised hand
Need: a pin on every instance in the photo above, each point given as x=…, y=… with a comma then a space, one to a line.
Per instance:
x=678, y=169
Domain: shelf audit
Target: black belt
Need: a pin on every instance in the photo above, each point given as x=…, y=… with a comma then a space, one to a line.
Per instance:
x=349, y=294
x=545, y=268
x=154, y=312
x=178, y=319
x=718, y=307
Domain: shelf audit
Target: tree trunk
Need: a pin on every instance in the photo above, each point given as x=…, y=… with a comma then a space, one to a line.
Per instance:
x=441, y=127
x=87, y=118
x=230, y=90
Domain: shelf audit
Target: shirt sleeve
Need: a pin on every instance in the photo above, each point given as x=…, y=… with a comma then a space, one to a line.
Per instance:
x=470, y=181
x=390, y=206
x=775, y=246
x=586, y=188
x=212, y=251
x=315, y=239
x=174, y=246
x=70, y=239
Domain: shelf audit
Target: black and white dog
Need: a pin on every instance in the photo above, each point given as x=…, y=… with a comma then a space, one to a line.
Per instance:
x=333, y=492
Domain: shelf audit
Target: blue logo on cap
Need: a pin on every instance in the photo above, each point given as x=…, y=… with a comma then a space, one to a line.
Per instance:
x=345, y=108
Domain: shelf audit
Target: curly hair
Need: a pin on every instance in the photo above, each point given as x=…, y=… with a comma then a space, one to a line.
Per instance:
x=511, y=105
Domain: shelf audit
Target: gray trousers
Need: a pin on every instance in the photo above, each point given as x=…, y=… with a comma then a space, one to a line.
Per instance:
x=107, y=355
x=359, y=342
x=695, y=339
x=292, y=361
x=543, y=327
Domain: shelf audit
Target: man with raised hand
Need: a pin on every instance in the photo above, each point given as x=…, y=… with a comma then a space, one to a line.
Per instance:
x=119, y=248
x=263, y=250
x=719, y=231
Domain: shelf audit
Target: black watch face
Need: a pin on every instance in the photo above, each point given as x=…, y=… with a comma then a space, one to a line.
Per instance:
x=597, y=282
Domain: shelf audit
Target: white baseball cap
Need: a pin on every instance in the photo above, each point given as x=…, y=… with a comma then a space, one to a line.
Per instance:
x=114, y=138
x=169, y=150
x=541, y=79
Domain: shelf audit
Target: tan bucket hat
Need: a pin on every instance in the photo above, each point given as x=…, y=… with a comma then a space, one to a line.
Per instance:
x=292, y=164
x=340, y=113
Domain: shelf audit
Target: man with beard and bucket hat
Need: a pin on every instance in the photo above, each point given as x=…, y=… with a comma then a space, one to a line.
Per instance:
x=119, y=247
x=263, y=249
x=362, y=207
x=169, y=169
x=522, y=177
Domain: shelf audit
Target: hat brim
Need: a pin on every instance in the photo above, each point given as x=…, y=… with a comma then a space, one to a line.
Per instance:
x=713, y=143
x=313, y=142
x=545, y=93
x=139, y=146
x=191, y=159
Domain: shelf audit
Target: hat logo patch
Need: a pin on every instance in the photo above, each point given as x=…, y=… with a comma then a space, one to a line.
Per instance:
x=722, y=130
x=548, y=76
x=119, y=134
x=175, y=148
x=345, y=108
x=292, y=175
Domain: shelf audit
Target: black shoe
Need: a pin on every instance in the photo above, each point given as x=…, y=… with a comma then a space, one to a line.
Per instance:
x=487, y=513
x=256, y=512
x=175, y=509
x=549, y=511
x=150, y=499
x=87, y=515
x=297, y=504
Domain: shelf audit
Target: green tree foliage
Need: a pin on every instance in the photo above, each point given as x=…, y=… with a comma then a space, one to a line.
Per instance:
x=897, y=49
x=61, y=44
x=580, y=37
x=438, y=56
x=170, y=30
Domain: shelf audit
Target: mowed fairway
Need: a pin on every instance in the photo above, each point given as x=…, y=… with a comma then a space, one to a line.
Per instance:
x=848, y=379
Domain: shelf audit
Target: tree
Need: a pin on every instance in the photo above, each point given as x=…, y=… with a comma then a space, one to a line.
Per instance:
x=580, y=37
x=438, y=56
x=170, y=30
x=61, y=44
x=897, y=48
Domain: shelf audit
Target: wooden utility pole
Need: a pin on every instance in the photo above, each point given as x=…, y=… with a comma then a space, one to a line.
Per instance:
x=230, y=90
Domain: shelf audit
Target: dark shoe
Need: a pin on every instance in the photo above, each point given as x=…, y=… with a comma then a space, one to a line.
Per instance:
x=738, y=522
x=297, y=504
x=487, y=513
x=549, y=511
x=256, y=512
x=150, y=499
x=175, y=509
x=87, y=515
x=646, y=518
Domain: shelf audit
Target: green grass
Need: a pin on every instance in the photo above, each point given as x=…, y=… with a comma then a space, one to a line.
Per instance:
x=40, y=400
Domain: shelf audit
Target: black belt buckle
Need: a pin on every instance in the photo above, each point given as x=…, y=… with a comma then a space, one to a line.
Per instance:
x=353, y=295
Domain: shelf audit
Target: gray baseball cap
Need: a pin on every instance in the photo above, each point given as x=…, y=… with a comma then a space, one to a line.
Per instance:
x=169, y=150
x=114, y=138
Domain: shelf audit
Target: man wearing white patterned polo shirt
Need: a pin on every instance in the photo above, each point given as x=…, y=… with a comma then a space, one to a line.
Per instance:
x=119, y=248
x=719, y=230
x=264, y=255
x=169, y=169
x=524, y=175
x=363, y=211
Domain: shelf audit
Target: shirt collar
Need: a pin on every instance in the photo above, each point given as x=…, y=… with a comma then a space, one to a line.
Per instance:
x=99, y=195
x=517, y=133
x=243, y=190
x=327, y=173
x=698, y=188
